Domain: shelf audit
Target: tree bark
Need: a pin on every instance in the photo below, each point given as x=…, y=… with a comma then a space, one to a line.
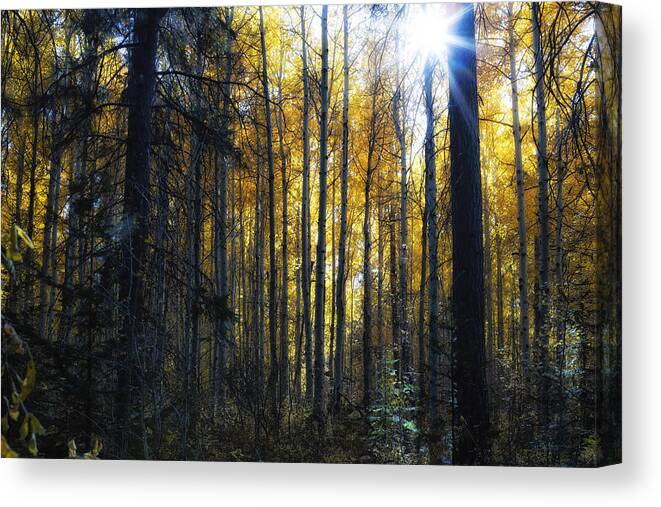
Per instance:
x=340, y=304
x=520, y=198
x=543, y=211
x=469, y=369
x=305, y=217
x=273, y=270
x=431, y=218
x=320, y=273
x=139, y=97
x=400, y=131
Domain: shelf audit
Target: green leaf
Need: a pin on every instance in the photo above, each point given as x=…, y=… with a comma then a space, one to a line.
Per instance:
x=410, y=425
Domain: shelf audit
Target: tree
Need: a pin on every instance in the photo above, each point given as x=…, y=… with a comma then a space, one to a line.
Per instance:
x=305, y=217
x=320, y=274
x=471, y=414
x=221, y=223
x=139, y=97
x=543, y=214
x=338, y=363
x=273, y=271
x=399, y=121
x=520, y=189
x=431, y=219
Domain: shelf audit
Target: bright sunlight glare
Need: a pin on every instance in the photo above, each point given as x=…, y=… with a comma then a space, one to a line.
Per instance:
x=428, y=29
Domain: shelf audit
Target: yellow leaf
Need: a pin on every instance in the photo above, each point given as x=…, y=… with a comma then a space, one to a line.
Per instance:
x=72, y=448
x=13, y=252
x=96, y=449
x=29, y=380
x=13, y=413
x=32, y=445
x=25, y=427
x=7, y=452
x=37, y=428
x=24, y=236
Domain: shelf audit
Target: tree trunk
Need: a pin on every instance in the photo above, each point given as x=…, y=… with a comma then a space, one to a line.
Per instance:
x=49, y=245
x=340, y=304
x=422, y=295
x=430, y=216
x=222, y=322
x=520, y=198
x=273, y=271
x=139, y=97
x=488, y=283
x=469, y=369
x=543, y=210
x=305, y=217
x=400, y=131
x=320, y=268
x=284, y=302
x=367, y=270
x=608, y=350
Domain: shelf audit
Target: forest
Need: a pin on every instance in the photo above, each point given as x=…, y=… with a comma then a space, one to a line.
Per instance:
x=379, y=233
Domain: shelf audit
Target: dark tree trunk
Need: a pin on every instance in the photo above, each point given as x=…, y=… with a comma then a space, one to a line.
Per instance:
x=273, y=271
x=344, y=196
x=431, y=221
x=471, y=415
x=305, y=218
x=139, y=97
x=320, y=268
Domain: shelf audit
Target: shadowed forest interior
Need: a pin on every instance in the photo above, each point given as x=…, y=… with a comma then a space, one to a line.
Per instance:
x=356, y=233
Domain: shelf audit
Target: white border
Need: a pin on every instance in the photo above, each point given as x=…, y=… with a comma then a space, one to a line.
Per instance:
x=636, y=482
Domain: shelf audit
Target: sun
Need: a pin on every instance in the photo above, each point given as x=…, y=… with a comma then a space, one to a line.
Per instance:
x=427, y=29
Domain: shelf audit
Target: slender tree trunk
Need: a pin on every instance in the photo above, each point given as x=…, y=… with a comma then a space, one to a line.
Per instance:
x=500, y=325
x=320, y=274
x=28, y=277
x=194, y=260
x=161, y=286
x=422, y=294
x=430, y=216
x=380, y=370
x=367, y=270
x=258, y=296
x=488, y=283
x=400, y=131
x=298, y=353
x=520, y=198
x=284, y=317
x=221, y=230
x=48, y=257
x=305, y=217
x=560, y=312
x=273, y=270
x=542, y=174
x=394, y=287
x=344, y=196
